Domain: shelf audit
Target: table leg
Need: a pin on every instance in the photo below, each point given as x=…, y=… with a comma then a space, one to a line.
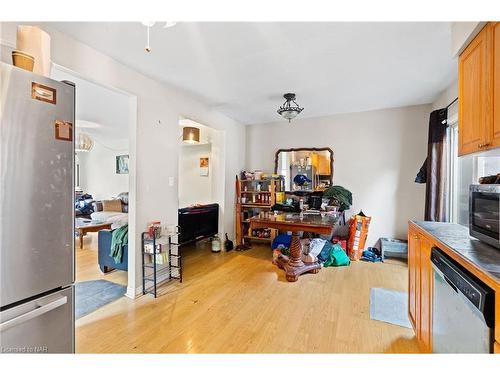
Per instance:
x=80, y=235
x=294, y=266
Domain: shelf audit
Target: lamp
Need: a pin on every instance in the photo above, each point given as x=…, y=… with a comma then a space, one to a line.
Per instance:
x=190, y=135
x=288, y=110
x=83, y=142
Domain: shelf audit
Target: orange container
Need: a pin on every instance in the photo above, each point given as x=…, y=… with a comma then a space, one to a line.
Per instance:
x=358, y=231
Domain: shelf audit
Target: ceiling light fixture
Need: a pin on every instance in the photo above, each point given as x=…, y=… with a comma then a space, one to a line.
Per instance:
x=190, y=135
x=149, y=25
x=83, y=142
x=290, y=109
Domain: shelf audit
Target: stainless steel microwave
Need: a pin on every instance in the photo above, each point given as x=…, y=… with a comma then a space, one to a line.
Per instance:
x=484, y=213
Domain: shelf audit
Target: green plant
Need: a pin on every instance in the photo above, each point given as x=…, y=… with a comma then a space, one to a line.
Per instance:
x=341, y=195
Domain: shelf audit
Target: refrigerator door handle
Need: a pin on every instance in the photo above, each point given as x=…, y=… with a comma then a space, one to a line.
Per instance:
x=42, y=309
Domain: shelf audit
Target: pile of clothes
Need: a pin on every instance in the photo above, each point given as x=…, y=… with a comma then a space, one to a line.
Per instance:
x=329, y=254
x=372, y=254
x=118, y=241
x=325, y=252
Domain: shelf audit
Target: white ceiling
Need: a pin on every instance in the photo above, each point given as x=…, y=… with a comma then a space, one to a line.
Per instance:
x=243, y=69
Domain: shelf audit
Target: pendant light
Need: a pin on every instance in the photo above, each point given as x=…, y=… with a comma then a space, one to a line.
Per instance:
x=290, y=109
x=190, y=135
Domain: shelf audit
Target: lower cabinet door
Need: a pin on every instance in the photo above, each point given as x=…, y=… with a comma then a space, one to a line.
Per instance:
x=496, y=348
x=425, y=295
x=413, y=282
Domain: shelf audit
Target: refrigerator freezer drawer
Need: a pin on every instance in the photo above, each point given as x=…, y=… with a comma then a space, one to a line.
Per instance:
x=43, y=325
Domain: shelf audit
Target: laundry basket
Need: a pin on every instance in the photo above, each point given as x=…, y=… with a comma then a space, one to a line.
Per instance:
x=394, y=248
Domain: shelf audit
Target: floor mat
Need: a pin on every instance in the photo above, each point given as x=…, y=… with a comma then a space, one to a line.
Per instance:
x=91, y=295
x=390, y=306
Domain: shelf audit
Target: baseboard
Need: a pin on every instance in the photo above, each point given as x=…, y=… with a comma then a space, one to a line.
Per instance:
x=133, y=294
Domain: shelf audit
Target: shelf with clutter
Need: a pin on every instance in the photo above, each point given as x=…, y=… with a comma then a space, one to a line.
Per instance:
x=161, y=257
x=255, y=192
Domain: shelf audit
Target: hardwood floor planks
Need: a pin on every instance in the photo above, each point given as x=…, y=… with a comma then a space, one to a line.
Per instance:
x=239, y=302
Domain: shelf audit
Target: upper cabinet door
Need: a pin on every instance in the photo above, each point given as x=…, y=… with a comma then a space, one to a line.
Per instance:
x=475, y=81
x=495, y=133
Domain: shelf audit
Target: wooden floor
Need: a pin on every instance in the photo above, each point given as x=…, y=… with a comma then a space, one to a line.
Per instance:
x=239, y=302
x=86, y=263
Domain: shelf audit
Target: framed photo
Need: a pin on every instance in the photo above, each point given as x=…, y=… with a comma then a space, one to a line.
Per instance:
x=203, y=166
x=122, y=164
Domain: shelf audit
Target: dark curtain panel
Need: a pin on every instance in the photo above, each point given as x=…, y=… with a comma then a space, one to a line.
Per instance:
x=435, y=168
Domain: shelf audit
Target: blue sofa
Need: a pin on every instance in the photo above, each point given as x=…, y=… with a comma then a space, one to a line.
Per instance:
x=107, y=263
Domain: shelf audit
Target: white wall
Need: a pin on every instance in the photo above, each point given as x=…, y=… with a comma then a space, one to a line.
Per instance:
x=446, y=97
x=193, y=188
x=98, y=175
x=377, y=156
x=154, y=146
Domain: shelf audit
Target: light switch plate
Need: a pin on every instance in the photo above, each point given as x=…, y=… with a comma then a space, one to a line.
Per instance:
x=170, y=181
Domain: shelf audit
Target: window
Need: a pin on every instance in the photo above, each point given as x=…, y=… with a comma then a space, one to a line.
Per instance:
x=461, y=173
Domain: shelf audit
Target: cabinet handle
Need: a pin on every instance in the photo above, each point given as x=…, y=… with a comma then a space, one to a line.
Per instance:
x=482, y=145
x=415, y=237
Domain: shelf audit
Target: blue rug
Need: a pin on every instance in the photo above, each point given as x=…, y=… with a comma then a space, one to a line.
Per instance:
x=91, y=295
x=390, y=306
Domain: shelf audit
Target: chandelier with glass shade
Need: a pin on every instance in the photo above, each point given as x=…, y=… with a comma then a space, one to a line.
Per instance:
x=83, y=142
x=290, y=109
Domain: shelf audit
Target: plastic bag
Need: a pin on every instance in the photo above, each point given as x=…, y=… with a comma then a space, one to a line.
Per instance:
x=358, y=231
x=337, y=257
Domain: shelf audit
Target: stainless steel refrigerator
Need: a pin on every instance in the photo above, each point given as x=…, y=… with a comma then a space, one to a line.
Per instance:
x=36, y=213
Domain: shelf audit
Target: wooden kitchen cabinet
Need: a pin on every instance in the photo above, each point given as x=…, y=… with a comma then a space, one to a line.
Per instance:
x=420, y=288
x=475, y=93
x=495, y=133
x=421, y=282
x=413, y=284
x=426, y=279
x=479, y=92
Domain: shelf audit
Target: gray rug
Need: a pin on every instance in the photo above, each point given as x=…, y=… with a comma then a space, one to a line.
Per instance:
x=91, y=295
x=390, y=306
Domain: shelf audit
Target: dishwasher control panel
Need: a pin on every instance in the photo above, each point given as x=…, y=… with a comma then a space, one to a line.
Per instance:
x=458, y=279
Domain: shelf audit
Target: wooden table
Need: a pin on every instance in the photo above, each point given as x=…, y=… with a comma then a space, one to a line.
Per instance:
x=294, y=266
x=83, y=227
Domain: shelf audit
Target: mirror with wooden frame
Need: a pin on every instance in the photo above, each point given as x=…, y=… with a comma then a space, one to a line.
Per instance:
x=305, y=169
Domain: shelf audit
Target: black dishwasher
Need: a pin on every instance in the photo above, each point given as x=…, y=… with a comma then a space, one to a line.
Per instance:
x=462, y=309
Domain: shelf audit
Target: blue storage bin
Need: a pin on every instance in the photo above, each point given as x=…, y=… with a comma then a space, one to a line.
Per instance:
x=394, y=248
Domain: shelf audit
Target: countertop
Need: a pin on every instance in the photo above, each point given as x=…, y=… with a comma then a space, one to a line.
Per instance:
x=456, y=237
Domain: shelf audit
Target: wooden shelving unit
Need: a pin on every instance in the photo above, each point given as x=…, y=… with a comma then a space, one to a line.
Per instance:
x=250, y=200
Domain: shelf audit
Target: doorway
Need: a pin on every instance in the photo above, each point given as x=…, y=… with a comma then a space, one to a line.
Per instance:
x=103, y=120
x=201, y=177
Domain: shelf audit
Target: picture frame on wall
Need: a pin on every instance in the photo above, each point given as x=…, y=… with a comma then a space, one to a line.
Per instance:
x=203, y=166
x=122, y=164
